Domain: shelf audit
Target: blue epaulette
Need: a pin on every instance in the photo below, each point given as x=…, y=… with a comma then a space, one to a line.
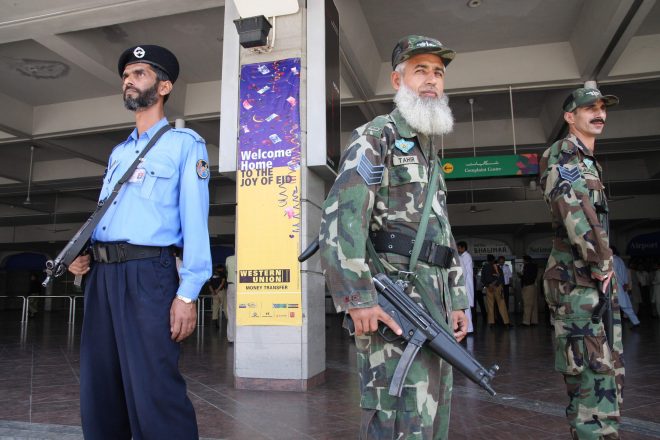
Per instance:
x=191, y=132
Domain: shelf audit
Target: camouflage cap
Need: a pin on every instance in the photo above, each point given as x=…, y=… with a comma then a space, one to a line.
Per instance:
x=586, y=96
x=416, y=44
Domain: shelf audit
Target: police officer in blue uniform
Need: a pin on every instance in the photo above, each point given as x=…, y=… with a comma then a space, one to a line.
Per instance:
x=137, y=306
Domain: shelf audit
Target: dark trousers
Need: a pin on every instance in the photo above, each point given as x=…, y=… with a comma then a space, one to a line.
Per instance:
x=130, y=385
x=479, y=298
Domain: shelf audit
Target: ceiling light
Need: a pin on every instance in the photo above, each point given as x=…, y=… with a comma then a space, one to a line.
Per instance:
x=474, y=3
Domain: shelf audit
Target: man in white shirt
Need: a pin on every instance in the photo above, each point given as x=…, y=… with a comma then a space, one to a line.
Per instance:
x=468, y=273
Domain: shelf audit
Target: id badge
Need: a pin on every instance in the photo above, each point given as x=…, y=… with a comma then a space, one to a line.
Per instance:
x=138, y=176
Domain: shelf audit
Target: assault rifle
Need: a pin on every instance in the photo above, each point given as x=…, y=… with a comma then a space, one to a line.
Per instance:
x=75, y=246
x=419, y=329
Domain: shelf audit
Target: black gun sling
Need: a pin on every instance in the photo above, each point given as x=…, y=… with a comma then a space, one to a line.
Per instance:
x=103, y=205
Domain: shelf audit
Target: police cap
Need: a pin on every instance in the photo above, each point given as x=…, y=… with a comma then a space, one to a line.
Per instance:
x=151, y=54
x=586, y=96
x=416, y=44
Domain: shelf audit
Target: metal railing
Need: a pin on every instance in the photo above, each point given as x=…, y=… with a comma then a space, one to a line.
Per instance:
x=26, y=315
x=23, y=308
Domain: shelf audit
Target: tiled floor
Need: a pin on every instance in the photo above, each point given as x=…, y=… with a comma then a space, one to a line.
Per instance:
x=39, y=387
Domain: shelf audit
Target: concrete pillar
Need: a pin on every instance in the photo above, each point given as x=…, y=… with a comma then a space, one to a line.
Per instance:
x=269, y=357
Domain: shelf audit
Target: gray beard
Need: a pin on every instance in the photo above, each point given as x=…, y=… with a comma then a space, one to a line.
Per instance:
x=429, y=116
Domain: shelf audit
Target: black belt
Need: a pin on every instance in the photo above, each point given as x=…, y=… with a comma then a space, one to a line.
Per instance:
x=120, y=252
x=401, y=244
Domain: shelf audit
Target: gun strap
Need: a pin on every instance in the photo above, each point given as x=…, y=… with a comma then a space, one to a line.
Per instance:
x=103, y=205
x=129, y=172
x=426, y=212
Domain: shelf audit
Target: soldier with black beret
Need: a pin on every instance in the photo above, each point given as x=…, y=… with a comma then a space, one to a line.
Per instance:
x=138, y=307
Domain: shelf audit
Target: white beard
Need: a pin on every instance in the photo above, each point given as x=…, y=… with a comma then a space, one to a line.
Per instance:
x=429, y=116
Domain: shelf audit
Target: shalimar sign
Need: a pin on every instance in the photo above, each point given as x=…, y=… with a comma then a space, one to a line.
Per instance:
x=490, y=166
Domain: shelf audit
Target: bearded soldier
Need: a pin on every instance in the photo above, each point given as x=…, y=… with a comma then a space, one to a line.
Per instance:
x=580, y=270
x=389, y=194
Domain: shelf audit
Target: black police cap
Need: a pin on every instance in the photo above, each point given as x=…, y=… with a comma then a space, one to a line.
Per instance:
x=151, y=54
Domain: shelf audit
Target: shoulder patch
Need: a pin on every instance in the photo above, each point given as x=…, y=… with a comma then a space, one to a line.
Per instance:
x=192, y=133
x=570, y=174
x=202, y=169
x=375, y=127
x=372, y=174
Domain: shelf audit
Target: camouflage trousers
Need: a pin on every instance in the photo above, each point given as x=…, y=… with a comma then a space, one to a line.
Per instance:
x=593, y=372
x=422, y=412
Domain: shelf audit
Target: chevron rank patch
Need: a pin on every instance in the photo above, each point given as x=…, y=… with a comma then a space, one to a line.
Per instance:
x=372, y=174
x=570, y=174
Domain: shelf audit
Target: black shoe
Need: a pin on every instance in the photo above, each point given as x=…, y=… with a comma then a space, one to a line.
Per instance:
x=634, y=327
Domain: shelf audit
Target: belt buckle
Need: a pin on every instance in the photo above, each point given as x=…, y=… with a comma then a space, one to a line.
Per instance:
x=101, y=253
x=405, y=277
x=121, y=252
x=433, y=249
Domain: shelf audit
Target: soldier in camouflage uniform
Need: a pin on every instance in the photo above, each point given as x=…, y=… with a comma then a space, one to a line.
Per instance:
x=379, y=195
x=580, y=259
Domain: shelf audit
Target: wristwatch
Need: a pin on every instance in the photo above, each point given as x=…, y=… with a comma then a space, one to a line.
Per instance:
x=185, y=300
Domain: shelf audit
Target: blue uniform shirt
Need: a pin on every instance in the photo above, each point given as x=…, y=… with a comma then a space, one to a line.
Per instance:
x=166, y=202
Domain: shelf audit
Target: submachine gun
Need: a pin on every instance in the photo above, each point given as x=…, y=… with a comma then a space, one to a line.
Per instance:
x=419, y=329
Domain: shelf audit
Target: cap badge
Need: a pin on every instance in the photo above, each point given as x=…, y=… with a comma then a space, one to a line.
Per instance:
x=138, y=52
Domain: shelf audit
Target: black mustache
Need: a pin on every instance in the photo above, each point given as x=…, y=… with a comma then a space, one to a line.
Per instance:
x=601, y=120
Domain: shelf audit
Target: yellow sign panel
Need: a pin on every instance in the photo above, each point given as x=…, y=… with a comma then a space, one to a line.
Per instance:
x=268, y=211
x=448, y=168
x=268, y=275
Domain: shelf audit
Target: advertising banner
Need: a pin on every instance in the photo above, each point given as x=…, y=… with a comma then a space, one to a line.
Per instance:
x=490, y=166
x=480, y=247
x=645, y=245
x=268, y=195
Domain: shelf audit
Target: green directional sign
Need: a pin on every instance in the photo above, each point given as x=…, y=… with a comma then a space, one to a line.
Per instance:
x=490, y=166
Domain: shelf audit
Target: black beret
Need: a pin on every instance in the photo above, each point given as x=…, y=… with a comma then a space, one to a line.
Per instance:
x=155, y=55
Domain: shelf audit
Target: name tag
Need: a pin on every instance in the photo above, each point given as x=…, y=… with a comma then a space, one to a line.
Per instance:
x=137, y=176
x=404, y=160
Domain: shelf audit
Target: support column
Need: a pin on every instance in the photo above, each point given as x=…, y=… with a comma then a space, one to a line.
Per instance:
x=276, y=357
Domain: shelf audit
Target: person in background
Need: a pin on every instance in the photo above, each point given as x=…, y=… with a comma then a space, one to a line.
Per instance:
x=655, y=286
x=623, y=286
x=218, y=288
x=635, y=289
x=529, y=294
x=492, y=279
x=230, y=309
x=468, y=270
